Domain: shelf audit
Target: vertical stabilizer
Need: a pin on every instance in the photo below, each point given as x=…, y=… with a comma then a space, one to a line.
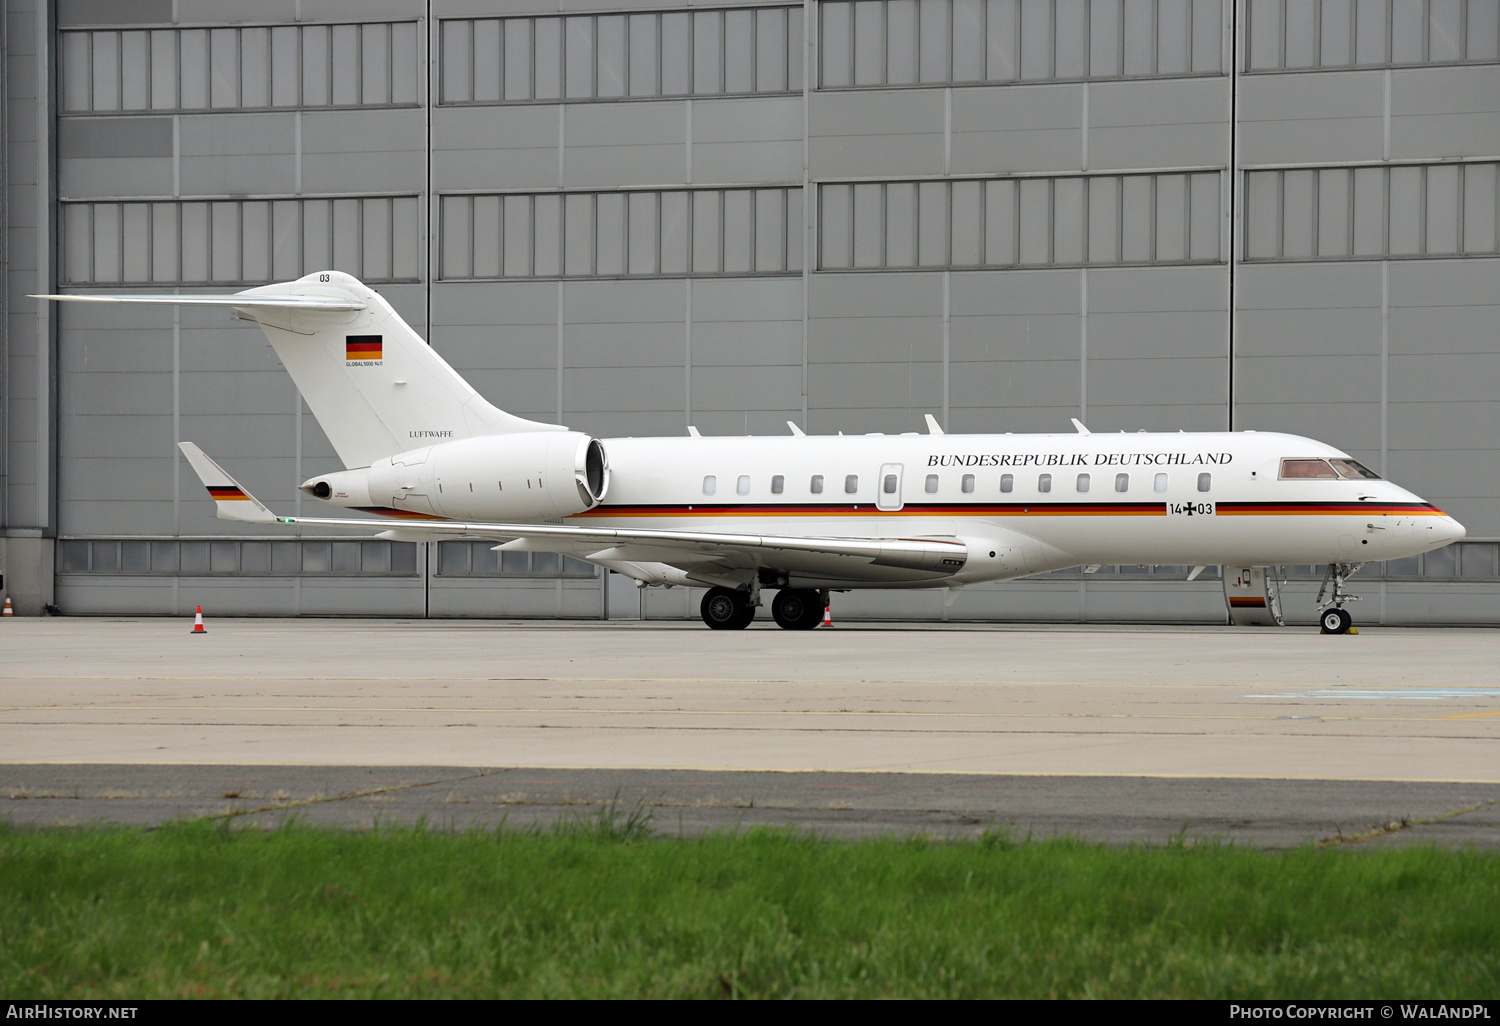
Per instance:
x=375, y=386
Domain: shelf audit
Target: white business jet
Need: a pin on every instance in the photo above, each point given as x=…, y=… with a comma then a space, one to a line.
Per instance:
x=430, y=459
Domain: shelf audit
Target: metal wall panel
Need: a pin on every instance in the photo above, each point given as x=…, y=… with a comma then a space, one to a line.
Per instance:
x=901, y=133
x=503, y=338
x=1311, y=118
x=1363, y=316
x=742, y=140
x=1015, y=350
x=1174, y=123
x=1308, y=354
x=1444, y=359
x=363, y=151
x=1035, y=129
x=624, y=144
x=1448, y=111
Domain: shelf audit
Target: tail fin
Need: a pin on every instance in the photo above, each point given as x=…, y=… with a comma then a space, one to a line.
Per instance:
x=375, y=386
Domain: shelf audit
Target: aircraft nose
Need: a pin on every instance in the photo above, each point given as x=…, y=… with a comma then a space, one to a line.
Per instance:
x=1435, y=532
x=1450, y=530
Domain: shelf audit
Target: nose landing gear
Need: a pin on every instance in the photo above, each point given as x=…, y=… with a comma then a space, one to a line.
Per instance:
x=1334, y=618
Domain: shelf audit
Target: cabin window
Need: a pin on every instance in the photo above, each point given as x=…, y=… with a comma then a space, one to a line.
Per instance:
x=968, y=484
x=1205, y=482
x=1161, y=482
x=851, y=484
x=1007, y=482
x=1122, y=482
x=816, y=486
x=743, y=484
x=931, y=484
x=1083, y=482
x=778, y=484
x=1307, y=470
x=1044, y=483
x=1354, y=469
x=889, y=484
x=710, y=484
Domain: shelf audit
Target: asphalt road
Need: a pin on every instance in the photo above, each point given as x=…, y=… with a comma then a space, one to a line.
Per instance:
x=1261, y=737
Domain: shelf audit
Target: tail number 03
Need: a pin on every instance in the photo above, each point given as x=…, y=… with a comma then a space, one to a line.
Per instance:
x=1190, y=509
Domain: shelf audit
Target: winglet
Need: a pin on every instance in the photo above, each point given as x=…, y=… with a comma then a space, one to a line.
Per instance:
x=1081, y=429
x=232, y=501
x=932, y=425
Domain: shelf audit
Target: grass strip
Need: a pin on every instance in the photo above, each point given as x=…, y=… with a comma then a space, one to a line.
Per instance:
x=604, y=909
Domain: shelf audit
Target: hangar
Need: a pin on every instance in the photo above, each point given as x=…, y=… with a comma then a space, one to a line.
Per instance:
x=636, y=217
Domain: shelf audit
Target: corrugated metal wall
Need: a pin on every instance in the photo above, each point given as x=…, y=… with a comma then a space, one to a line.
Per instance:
x=633, y=218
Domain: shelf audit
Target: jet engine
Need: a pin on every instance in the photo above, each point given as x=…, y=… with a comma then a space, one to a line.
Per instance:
x=527, y=476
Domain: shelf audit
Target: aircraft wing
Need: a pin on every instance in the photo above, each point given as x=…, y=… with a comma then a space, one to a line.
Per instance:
x=710, y=550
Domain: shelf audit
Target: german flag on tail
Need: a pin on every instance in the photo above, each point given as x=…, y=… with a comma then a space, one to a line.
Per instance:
x=362, y=348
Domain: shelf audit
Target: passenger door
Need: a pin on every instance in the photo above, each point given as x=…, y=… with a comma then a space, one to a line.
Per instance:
x=888, y=487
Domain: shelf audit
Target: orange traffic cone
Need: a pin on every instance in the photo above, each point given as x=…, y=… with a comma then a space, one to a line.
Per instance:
x=828, y=616
x=198, y=622
x=9, y=611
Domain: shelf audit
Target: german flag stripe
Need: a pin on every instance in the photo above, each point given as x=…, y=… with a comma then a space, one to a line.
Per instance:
x=1029, y=509
x=1264, y=509
x=228, y=494
x=398, y=514
x=1113, y=509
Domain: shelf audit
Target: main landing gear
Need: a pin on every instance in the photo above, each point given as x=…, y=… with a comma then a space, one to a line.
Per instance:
x=799, y=609
x=1335, y=619
x=795, y=609
x=725, y=609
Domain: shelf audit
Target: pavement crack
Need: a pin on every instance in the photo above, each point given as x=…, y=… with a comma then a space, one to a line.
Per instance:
x=281, y=806
x=1396, y=826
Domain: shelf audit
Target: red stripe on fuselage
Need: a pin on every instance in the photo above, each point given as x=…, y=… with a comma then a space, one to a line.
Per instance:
x=1016, y=509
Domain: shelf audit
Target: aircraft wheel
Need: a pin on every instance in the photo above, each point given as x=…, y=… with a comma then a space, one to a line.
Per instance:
x=724, y=609
x=797, y=609
x=1336, y=621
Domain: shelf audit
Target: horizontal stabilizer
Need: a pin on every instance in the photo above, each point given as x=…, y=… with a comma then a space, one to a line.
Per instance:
x=232, y=501
x=332, y=304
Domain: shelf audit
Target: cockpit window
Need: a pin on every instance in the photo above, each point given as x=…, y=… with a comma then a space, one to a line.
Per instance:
x=1307, y=469
x=1328, y=469
x=1354, y=470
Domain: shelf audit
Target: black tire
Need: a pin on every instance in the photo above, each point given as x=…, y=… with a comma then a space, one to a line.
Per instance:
x=1336, y=621
x=725, y=609
x=797, y=609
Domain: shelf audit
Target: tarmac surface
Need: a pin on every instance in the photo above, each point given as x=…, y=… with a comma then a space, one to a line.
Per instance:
x=1270, y=738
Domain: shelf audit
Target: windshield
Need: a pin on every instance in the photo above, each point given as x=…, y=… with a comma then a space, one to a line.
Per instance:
x=1300, y=469
x=1329, y=469
x=1354, y=469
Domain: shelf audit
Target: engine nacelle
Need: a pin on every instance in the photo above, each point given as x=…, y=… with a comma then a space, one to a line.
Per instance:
x=528, y=476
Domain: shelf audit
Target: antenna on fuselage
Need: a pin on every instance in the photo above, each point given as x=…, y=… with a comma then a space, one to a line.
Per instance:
x=932, y=425
x=796, y=430
x=1081, y=429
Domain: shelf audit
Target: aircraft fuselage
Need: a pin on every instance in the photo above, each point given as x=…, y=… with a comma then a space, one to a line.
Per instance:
x=1038, y=502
